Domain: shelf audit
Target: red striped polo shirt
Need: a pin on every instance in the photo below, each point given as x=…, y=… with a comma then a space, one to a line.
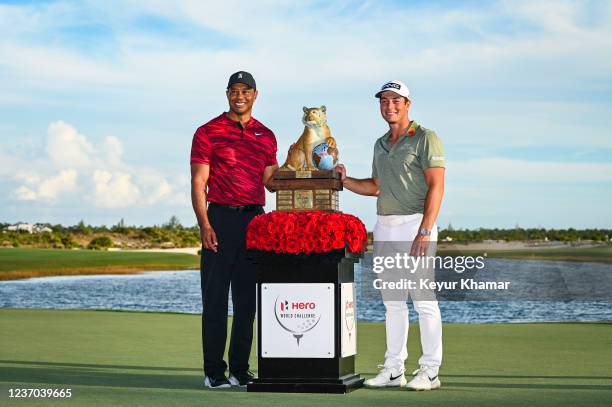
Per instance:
x=237, y=157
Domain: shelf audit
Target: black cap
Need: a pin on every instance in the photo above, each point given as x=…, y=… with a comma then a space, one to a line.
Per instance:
x=242, y=77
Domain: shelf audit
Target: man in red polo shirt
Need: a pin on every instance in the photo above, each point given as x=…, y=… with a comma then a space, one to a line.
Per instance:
x=232, y=157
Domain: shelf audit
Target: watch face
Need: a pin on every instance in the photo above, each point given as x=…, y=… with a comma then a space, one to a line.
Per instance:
x=425, y=232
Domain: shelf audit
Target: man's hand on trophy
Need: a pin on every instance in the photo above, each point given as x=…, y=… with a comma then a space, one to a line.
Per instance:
x=209, y=238
x=342, y=170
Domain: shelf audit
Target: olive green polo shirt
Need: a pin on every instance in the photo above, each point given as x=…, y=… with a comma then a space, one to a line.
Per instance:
x=399, y=169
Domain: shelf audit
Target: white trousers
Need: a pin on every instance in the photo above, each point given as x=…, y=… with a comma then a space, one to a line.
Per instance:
x=405, y=228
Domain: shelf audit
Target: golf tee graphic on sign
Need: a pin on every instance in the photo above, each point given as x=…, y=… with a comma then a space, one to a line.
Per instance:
x=296, y=317
x=297, y=320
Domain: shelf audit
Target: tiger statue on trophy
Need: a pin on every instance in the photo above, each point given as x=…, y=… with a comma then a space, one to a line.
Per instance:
x=316, y=131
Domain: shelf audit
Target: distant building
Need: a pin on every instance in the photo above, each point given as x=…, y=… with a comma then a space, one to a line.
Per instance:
x=21, y=227
x=28, y=227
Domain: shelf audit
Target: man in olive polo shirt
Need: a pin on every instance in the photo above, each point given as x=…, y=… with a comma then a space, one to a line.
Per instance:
x=408, y=179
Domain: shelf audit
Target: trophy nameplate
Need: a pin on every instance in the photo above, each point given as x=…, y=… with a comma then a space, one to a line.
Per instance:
x=302, y=199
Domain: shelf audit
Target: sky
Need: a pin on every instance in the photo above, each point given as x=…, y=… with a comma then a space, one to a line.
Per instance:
x=99, y=100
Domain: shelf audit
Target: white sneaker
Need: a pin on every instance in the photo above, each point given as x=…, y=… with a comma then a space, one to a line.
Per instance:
x=423, y=381
x=388, y=377
x=219, y=382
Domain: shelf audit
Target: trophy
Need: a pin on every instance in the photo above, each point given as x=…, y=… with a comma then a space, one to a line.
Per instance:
x=307, y=180
x=304, y=255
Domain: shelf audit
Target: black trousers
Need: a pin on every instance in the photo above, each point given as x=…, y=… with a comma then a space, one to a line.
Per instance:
x=229, y=266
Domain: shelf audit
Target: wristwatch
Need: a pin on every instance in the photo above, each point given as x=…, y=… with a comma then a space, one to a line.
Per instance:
x=424, y=232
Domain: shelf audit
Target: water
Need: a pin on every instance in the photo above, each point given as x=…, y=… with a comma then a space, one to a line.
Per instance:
x=179, y=291
x=539, y=291
x=164, y=291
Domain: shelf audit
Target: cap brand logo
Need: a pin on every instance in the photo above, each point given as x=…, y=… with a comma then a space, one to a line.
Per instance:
x=239, y=76
x=391, y=85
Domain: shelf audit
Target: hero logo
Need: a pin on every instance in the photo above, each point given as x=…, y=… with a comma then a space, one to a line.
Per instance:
x=391, y=85
x=296, y=317
x=349, y=317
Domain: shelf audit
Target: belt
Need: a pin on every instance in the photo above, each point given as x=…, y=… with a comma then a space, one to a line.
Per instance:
x=242, y=208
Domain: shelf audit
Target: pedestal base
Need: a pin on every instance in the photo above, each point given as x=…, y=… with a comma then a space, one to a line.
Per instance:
x=313, y=287
x=341, y=385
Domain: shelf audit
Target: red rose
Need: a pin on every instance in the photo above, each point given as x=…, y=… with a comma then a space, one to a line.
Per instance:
x=309, y=246
x=292, y=245
x=319, y=232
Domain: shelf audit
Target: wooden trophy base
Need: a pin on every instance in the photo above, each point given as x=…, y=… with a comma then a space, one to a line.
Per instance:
x=306, y=190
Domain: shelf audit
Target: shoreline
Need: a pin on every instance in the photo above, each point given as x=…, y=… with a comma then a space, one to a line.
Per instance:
x=184, y=250
x=597, y=254
x=518, y=245
x=25, y=274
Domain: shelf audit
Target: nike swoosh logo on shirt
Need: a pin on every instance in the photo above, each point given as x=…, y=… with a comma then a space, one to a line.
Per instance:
x=258, y=134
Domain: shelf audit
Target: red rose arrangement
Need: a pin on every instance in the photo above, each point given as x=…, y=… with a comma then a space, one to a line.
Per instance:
x=306, y=232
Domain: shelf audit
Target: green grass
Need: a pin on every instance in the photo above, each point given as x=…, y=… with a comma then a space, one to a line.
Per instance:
x=601, y=254
x=149, y=359
x=23, y=263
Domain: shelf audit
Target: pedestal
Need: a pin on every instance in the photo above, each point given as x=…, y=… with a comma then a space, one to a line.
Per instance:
x=306, y=323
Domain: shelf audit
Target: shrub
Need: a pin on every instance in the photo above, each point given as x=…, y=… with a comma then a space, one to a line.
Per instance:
x=69, y=242
x=100, y=243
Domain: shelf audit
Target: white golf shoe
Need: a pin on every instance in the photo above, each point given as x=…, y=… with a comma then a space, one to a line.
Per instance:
x=424, y=379
x=387, y=377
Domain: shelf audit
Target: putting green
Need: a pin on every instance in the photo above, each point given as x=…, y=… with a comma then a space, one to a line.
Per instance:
x=151, y=359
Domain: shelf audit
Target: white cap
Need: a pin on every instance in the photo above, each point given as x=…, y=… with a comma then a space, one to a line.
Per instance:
x=396, y=86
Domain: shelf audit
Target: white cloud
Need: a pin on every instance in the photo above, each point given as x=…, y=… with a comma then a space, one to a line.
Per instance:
x=24, y=193
x=104, y=179
x=114, y=190
x=51, y=187
x=48, y=189
x=156, y=188
x=66, y=147
x=113, y=150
